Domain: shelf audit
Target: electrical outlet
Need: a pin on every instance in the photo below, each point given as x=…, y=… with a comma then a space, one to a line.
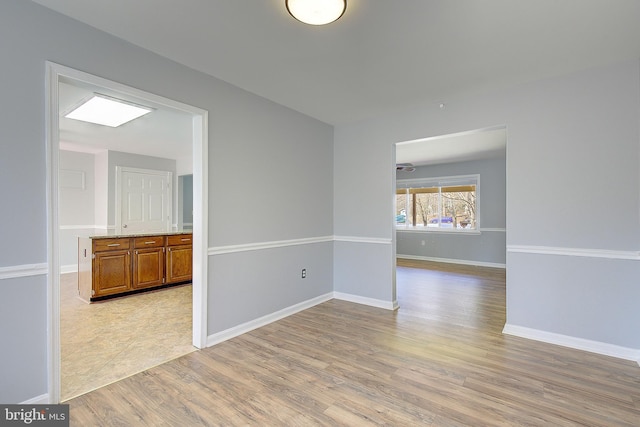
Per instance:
x=304, y=273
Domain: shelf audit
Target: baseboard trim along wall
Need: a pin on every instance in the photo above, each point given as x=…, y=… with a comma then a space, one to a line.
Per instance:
x=265, y=320
x=24, y=270
x=576, y=252
x=70, y=268
x=225, y=335
x=387, y=305
x=43, y=399
x=573, y=342
x=453, y=261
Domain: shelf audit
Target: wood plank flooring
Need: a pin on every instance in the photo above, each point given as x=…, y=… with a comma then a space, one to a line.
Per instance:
x=440, y=360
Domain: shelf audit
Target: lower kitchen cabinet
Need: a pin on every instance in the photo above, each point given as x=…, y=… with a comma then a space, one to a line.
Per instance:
x=110, y=267
x=112, y=273
x=179, y=259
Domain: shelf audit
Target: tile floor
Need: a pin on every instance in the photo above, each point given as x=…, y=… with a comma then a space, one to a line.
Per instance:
x=106, y=341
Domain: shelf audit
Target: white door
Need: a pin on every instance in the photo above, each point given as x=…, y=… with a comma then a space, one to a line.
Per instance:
x=145, y=200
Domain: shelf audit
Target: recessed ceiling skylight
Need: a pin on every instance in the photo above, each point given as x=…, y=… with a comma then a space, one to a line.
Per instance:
x=107, y=111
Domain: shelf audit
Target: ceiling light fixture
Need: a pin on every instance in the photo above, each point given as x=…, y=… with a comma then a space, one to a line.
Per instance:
x=316, y=12
x=107, y=111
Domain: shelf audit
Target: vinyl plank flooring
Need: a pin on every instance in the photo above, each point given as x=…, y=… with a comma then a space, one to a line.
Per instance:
x=440, y=360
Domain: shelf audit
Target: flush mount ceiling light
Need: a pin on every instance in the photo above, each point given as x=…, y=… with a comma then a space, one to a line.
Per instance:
x=316, y=12
x=107, y=111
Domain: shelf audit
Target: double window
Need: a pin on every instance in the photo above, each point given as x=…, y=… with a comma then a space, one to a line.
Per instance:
x=447, y=203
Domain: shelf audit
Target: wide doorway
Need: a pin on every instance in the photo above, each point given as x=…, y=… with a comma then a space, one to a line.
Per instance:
x=108, y=340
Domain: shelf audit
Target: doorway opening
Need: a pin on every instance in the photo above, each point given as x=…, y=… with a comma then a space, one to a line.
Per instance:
x=58, y=75
x=449, y=205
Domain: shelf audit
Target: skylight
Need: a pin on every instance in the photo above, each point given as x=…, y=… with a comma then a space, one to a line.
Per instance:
x=107, y=111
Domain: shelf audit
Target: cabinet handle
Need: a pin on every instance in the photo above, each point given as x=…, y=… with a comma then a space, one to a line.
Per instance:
x=185, y=240
x=149, y=243
x=113, y=244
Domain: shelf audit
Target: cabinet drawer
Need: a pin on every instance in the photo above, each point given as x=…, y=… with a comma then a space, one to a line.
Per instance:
x=100, y=245
x=179, y=240
x=148, y=242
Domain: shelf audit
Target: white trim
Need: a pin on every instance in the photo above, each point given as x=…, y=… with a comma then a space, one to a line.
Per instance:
x=43, y=399
x=243, y=328
x=454, y=261
x=353, y=239
x=200, y=135
x=265, y=320
x=52, y=142
x=493, y=230
x=372, y=302
x=573, y=342
x=24, y=270
x=576, y=252
x=458, y=231
x=439, y=181
x=69, y=268
x=83, y=227
x=219, y=250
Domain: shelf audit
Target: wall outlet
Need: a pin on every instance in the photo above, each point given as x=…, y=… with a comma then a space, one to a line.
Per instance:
x=422, y=243
x=304, y=273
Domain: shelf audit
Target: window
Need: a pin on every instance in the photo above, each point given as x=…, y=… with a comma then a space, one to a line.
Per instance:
x=447, y=203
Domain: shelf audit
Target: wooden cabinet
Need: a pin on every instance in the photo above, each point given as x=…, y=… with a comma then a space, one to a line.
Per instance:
x=179, y=258
x=111, y=273
x=148, y=262
x=115, y=266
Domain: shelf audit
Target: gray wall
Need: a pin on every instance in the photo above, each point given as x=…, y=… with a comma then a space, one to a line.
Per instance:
x=486, y=248
x=77, y=204
x=284, y=190
x=572, y=160
x=76, y=208
x=186, y=199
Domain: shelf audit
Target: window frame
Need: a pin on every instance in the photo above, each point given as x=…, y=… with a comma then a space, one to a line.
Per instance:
x=439, y=182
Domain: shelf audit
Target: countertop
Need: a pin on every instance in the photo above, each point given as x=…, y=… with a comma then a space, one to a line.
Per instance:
x=113, y=235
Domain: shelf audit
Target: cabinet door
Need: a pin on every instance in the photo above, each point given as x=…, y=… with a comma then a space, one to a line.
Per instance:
x=148, y=267
x=111, y=272
x=179, y=262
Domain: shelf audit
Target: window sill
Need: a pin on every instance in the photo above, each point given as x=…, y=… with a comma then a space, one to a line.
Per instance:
x=438, y=231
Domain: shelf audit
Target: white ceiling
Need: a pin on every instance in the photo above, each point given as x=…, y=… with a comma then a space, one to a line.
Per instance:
x=459, y=147
x=163, y=133
x=381, y=54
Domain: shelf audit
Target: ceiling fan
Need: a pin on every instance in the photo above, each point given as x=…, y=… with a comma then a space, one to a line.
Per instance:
x=405, y=167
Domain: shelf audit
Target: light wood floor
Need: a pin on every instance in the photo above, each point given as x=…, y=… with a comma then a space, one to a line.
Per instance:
x=107, y=341
x=440, y=360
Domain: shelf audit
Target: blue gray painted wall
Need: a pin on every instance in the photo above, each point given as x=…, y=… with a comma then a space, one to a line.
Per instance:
x=286, y=157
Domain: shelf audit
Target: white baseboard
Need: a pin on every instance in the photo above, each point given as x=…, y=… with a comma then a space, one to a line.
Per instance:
x=70, y=268
x=453, y=261
x=265, y=320
x=43, y=399
x=573, y=342
x=387, y=305
x=225, y=335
